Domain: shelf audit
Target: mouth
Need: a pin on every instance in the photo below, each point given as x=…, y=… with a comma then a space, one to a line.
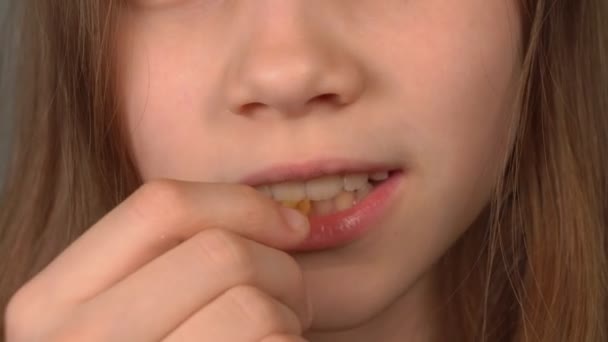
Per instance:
x=341, y=199
x=320, y=188
x=326, y=194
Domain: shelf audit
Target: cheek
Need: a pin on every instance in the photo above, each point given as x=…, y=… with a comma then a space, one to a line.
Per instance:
x=457, y=89
x=456, y=79
x=162, y=94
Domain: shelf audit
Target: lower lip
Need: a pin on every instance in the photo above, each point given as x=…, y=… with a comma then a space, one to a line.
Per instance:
x=340, y=228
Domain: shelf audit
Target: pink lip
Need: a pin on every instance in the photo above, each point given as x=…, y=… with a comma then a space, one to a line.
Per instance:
x=343, y=227
x=311, y=169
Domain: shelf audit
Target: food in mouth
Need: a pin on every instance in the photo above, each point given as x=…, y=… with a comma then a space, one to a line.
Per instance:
x=324, y=195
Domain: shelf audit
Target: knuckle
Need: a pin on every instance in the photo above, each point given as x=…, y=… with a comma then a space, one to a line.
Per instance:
x=283, y=338
x=29, y=318
x=22, y=314
x=257, y=308
x=73, y=332
x=84, y=323
x=16, y=316
x=226, y=251
x=159, y=200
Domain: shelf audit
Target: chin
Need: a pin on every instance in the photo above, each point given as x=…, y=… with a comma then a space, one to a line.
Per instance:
x=352, y=294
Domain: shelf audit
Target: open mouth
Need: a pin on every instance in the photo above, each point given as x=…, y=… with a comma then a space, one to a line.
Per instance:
x=327, y=194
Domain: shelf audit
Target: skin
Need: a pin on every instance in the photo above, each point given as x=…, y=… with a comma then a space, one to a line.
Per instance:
x=215, y=90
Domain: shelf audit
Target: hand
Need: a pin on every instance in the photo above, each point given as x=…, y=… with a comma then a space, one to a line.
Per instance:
x=176, y=261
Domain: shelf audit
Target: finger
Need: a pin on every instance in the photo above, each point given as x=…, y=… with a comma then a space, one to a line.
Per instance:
x=171, y=288
x=243, y=313
x=284, y=338
x=154, y=219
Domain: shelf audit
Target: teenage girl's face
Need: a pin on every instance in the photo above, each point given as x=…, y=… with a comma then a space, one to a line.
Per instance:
x=216, y=90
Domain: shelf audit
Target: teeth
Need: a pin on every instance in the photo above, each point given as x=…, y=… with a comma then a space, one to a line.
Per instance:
x=288, y=191
x=344, y=200
x=360, y=194
x=324, y=187
x=379, y=176
x=324, y=207
x=355, y=181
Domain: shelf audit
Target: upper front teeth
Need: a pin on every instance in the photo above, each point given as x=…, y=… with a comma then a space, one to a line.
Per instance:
x=355, y=181
x=288, y=191
x=322, y=188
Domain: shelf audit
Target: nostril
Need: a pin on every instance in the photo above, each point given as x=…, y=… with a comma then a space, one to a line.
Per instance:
x=327, y=98
x=250, y=107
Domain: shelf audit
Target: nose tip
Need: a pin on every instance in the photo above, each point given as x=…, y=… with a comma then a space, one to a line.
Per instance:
x=290, y=76
x=291, y=85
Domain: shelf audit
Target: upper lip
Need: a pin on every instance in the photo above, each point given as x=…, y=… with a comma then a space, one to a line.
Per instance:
x=301, y=171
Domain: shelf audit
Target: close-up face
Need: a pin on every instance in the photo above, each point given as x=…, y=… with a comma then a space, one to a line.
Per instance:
x=217, y=91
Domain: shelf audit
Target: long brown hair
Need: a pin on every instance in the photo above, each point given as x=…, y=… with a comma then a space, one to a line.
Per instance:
x=535, y=270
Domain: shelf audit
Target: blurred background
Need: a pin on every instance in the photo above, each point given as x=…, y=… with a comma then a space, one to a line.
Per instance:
x=5, y=97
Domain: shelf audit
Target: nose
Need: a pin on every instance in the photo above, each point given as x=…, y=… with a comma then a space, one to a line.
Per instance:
x=289, y=65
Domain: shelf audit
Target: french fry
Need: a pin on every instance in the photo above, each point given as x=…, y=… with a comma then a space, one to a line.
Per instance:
x=303, y=206
x=289, y=204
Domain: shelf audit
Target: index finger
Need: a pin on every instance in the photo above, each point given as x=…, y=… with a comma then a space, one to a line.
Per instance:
x=157, y=217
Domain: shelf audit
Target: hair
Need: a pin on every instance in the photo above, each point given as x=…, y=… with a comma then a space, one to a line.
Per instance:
x=536, y=269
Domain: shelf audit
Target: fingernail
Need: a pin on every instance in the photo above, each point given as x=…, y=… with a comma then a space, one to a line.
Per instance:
x=296, y=220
